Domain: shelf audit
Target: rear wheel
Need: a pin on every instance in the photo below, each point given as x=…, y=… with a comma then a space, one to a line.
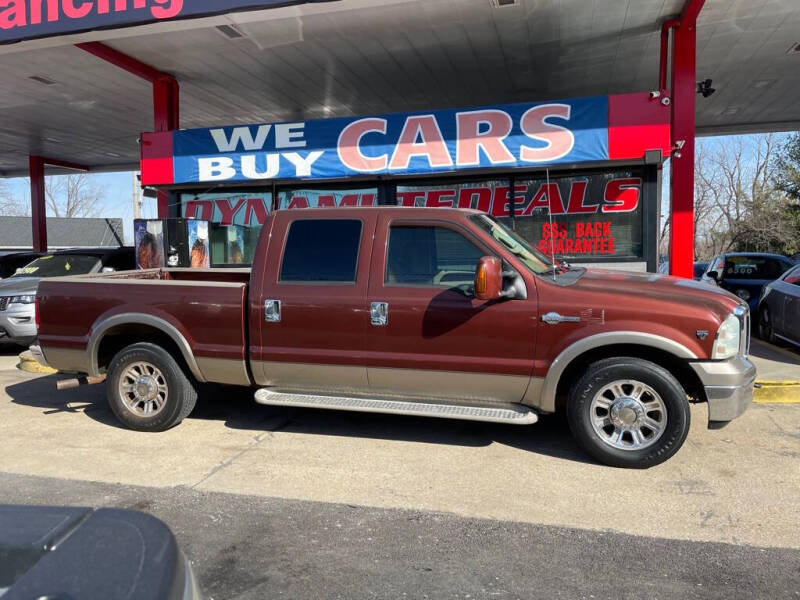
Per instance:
x=147, y=389
x=628, y=412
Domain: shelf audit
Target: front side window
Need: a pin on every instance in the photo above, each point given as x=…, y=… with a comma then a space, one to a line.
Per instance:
x=321, y=251
x=430, y=256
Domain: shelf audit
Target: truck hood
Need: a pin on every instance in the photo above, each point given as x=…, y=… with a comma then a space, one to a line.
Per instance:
x=660, y=288
x=19, y=286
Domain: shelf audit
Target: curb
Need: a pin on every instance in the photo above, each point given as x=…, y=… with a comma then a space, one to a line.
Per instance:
x=29, y=364
x=777, y=392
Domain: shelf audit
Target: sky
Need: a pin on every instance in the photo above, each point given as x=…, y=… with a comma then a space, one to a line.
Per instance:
x=118, y=194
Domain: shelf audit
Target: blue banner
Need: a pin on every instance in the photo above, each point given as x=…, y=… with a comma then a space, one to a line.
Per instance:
x=506, y=136
x=27, y=19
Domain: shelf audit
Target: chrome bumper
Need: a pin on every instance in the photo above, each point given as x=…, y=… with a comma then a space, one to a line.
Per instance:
x=36, y=352
x=729, y=387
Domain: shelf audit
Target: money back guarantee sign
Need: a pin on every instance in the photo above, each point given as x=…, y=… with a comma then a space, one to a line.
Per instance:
x=506, y=136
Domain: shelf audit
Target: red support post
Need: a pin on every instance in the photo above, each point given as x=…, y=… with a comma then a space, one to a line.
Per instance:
x=38, y=204
x=166, y=96
x=684, y=92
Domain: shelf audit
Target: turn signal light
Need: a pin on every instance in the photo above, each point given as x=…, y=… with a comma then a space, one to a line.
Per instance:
x=480, y=280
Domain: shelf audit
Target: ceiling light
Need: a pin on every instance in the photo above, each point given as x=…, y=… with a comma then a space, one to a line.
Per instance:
x=232, y=32
x=44, y=80
x=501, y=3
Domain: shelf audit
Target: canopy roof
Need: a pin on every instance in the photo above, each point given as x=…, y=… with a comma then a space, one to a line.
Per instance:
x=363, y=57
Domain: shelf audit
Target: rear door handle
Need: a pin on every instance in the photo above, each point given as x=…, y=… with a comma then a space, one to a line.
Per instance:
x=379, y=313
x=272, y=311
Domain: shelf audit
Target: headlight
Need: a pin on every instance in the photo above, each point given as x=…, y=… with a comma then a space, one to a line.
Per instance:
x=743, y=294
x=726, y=344
x=22, y=299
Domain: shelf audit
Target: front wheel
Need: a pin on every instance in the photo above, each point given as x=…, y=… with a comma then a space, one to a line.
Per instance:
x=628, y=412
x=147, y=389
x=766, y=328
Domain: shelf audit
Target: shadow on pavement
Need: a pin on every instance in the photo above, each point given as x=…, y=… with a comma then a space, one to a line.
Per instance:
x=236, y=408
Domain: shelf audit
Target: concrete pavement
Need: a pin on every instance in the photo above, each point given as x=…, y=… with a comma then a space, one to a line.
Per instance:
x=739, y=485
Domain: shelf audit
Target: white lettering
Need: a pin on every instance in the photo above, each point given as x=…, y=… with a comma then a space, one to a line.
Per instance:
x=287, y=134
x=215, y=169
x=241, y=135
x=303, y=165
x=249, y=166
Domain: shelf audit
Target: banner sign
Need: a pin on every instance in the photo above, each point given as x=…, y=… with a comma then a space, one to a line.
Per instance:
x=505, y=137
x=27, y=19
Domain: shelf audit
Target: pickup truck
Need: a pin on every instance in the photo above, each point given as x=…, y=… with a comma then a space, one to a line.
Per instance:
x=419, y=311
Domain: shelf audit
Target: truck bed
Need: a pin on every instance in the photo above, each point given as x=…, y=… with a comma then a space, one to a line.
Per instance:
x=202, y=310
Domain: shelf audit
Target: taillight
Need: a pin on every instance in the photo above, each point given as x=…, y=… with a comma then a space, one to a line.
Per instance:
x=37, y=314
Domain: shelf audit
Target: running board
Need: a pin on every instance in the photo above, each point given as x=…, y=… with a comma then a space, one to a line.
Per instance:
x=510, y=415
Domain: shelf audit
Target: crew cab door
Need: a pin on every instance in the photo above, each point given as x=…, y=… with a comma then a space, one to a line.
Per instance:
x=428, y=336
x=313, y=303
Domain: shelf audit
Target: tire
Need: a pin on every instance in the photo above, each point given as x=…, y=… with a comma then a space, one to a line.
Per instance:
x=766, y=327
x=162, y=386
x=628, y=395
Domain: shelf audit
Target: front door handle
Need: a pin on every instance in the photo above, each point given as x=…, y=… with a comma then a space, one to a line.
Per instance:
x=272, y=311
x=553, y=318
x=379, y=313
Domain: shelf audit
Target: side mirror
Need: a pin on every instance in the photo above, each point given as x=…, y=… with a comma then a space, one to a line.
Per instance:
x=489, y=278
x=714, y=275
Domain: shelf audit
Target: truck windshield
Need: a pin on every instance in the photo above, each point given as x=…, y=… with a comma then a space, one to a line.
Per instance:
x=59, y=265
x=535, y=260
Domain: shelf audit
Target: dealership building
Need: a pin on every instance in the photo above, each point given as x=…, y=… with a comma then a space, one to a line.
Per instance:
x=556, y=117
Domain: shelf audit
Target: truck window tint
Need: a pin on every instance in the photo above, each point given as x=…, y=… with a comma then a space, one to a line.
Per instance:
x=324, y=250
x=430, y=256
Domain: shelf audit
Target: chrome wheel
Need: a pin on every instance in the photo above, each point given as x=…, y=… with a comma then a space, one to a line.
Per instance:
x=628, y=415
x=143, y=389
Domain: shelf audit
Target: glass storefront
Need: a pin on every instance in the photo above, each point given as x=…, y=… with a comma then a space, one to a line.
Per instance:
x=320, y=198
x=234, y=207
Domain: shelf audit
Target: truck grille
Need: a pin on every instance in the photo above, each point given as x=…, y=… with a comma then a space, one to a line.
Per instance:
x=4, y=300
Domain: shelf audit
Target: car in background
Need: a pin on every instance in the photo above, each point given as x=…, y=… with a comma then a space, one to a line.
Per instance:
x=746, y=273
x=18, y=292
x=9, y=263
x=779, y=309
x=699, y=268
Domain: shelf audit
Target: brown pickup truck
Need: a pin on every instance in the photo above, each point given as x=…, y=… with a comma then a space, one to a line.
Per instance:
x=435, y=312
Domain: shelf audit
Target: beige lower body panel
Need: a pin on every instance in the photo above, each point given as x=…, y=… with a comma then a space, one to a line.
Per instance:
x=68, y=360
x=224, y=370
x=422, y=384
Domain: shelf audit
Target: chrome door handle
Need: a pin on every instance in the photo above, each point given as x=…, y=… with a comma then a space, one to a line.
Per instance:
x=272, y=311
x=553, y=318
x=379, y=313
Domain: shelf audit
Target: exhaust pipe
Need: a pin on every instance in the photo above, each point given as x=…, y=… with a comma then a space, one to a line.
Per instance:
x=68, y=384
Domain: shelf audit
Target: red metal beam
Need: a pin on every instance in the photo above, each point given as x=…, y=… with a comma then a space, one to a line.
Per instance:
x=166, y=96
x=36, y=166
x=38, y=204
x=684, y=93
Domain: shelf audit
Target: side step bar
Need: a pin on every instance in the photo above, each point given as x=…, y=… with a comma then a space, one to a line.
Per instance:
x=509, y=415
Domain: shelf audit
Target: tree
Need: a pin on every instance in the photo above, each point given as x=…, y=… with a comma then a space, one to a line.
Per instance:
x=11, y=205
x=787, y=176
x=73, y=195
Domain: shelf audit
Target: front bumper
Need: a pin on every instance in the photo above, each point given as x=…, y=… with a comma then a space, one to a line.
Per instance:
x=728, y=386
x=18, y=324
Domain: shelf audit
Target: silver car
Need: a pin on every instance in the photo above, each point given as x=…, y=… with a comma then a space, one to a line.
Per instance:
x=779, y=308
x=18, y=292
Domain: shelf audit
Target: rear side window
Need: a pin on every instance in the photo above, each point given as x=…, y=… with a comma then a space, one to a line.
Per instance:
x=321, y=251
x=427, y=255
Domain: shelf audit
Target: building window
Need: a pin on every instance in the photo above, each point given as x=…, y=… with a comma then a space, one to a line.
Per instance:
x=235, y=207
x=324, y=198
x=321, y=251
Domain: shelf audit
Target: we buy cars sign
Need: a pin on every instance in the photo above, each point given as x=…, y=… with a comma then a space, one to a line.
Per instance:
x=27, y=19
x=509, y=136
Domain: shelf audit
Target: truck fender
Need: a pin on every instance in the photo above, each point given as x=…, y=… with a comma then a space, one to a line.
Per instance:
x=547, y=398
x=103, y=325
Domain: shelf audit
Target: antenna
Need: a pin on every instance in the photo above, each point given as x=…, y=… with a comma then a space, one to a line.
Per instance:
x=550, y=216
